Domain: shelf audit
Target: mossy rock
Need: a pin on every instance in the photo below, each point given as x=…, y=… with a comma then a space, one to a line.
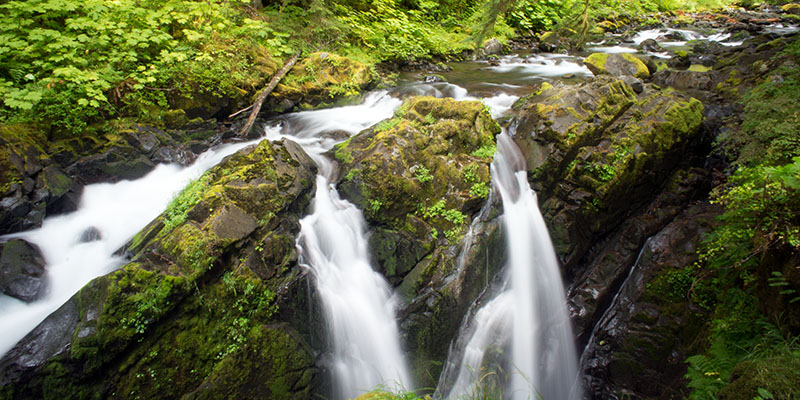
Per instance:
x=617, y=65
x=778, y=374
x=198, y=301
x=598, y=149
x=322, y=78
x=422, y=165
x=791, y=8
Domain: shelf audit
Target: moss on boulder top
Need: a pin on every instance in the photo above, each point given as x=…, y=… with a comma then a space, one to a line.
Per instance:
x=617, y=65
x=596, y=150
x=427, y=164
x=321, y=79
x=195, y=311
x=421, y=177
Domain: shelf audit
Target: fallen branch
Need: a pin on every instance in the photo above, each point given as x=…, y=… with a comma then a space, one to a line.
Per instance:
x=240, y=111
x=256, y=107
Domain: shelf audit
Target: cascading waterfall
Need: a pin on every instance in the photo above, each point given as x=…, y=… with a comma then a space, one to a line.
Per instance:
x=357, y=301
x=117, y=211
x=542, y=361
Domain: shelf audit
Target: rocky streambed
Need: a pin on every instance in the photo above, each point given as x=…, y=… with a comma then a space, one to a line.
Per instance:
x=209, y=300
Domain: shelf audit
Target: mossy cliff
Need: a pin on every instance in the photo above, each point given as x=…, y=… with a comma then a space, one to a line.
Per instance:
x=197, y=313
x=421, y=178
x=598, y=150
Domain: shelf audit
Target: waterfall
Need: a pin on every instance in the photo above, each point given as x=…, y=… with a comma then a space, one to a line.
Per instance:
x=357, y=301
x=530, y=315
x=117, y=211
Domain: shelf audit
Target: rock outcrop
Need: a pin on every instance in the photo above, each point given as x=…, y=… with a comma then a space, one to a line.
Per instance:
x=204, y=308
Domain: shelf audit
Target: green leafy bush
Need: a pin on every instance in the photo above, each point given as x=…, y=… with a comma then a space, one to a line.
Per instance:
x=72, y=62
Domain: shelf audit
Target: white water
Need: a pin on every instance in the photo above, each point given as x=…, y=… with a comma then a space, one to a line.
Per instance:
x=357, y=301
x=543, y=359
x=542, y=66
x=118, y=211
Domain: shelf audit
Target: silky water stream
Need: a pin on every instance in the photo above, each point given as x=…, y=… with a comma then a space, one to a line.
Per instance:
x=523, y=329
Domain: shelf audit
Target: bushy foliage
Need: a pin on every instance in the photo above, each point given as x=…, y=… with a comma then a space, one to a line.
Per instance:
x=761, y=214
x=71, y=61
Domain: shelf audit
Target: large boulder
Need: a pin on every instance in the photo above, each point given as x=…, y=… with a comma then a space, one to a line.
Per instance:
x=617, y=65
x=205, y=308
x=22, y=270
x=421, y=178
x=597, y=151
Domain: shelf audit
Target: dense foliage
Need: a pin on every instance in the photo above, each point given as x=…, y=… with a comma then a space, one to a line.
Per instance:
x=744, y=279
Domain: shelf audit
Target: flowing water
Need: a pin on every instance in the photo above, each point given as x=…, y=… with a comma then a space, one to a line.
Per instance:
x=357, y=301
x=523, y=330
x=527, y=323
x=117, y=211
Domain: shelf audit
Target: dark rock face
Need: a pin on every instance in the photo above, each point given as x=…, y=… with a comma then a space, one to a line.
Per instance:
x=194, y=312
x=609, y=260
x=22, y=270
x=638, y=348
x=31, y=186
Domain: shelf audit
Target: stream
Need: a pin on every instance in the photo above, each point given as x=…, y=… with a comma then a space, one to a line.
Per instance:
x=524, y=328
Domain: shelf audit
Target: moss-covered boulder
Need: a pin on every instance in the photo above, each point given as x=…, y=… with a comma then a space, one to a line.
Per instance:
x=321, y=79
x=423, y=172
x=421, y=177
x=791, y=8
x=597, y=151
x=617, y=65
x=197, y=311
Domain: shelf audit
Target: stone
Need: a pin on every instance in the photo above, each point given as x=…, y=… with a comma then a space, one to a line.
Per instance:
x=492, y=46
x=91, y=234
x=651, y=45
x=617, y=65
x=22, y=270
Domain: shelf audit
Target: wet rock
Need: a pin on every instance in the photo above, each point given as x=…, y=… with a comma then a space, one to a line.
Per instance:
x=603, y=270
x=616, y=65
x=598, y=150
x=22, y=270
x=434, y=79
x=680, y=60
x=492, y=46
x=634, y=83
x=639, y=346
x=114, y=164
x=684, y=80
x=421, y=177
x=91, y=234
x=49, y=340
x=195, y=309
x=651, y=45
x=174, y=155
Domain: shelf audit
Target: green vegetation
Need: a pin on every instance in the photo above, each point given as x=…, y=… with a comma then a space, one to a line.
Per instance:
x=743, y=278
x=175, y=214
